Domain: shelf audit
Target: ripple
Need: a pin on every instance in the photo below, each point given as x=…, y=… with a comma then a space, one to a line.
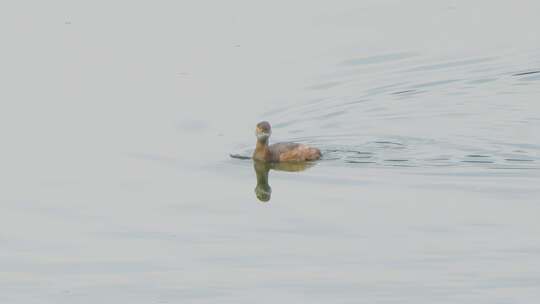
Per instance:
x=483, y=80
x=403, y=92
x=238, y=156
x=526, y=73
x=383, y=89
x=332, y=114
x=518, y=160
x=435, y=83
x=451, y=114
x=478, y=161
x=359, y=162
x=389, y=143
x=377, y=59
x=324, y=86
x=452, y=64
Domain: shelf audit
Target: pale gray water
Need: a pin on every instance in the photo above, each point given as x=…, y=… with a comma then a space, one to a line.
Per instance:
x=118, y=119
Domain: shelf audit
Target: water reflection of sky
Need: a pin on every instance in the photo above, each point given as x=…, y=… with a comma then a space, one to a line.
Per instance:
x=118, y=119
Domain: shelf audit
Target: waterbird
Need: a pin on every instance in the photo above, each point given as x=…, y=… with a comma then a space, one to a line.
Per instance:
x=281, y=152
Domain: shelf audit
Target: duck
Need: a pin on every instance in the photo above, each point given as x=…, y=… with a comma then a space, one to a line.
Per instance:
x=281, y=152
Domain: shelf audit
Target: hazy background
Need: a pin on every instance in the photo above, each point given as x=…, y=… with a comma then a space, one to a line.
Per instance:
x=117, y=119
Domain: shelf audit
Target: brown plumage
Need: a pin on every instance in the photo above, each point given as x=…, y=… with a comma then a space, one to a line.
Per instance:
x=281, y=152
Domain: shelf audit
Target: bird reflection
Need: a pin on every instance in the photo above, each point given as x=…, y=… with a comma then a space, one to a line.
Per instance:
x=263, y=191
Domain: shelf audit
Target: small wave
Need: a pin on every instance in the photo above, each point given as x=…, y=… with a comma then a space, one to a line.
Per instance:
x=403, y=108
x=238, y=156
x=526, y=73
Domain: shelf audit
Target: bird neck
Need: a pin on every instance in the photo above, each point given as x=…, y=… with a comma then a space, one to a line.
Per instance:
x=261, y=149
x=262, y=144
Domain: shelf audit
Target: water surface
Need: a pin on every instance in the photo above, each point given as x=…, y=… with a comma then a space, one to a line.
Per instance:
x=118, y=120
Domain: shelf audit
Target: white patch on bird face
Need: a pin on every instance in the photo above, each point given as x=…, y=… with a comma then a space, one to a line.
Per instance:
x=262, y=135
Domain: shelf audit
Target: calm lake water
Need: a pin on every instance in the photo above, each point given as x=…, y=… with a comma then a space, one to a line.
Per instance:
x=118, y=119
